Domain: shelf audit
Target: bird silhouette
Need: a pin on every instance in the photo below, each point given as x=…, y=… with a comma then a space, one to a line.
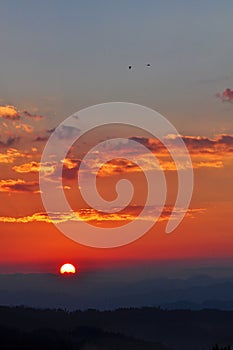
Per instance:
x=148, y=65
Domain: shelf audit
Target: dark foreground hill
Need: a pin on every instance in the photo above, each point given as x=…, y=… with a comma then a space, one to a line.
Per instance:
x=144, y=328
x=81, y=338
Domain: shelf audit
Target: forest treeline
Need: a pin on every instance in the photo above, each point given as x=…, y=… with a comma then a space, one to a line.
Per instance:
x=134, y=328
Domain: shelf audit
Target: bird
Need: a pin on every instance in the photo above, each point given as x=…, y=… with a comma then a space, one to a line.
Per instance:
x=148, y=65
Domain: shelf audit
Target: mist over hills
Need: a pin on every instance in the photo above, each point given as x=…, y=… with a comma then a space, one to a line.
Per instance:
x=107, y=290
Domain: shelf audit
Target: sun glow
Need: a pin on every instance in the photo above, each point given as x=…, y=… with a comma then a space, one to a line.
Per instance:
x=67, y=269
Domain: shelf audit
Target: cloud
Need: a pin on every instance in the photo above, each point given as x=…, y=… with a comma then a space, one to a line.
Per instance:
x=33, y=116
x=50, y=131
x=15, y=124
x=66, y=132
x=118, y=166
x=9, y=112
x=70, y=168
x=205, y=153
x=94, y=217
x=18, y=186
x=12, y=113
x=10, y=141
x=226, y=95
x=35, y=167
x=11, y=154
x=41, y=139
x=32, y=167
x=220, y=144
x=25, y=127
x=206, y=164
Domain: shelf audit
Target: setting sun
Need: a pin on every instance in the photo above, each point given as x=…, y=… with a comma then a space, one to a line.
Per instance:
x=67, y=269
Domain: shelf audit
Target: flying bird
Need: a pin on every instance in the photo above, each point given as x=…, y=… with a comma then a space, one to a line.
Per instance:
x=148, y=65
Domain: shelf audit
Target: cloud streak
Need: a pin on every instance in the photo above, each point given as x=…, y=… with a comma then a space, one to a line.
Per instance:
x=94, y=217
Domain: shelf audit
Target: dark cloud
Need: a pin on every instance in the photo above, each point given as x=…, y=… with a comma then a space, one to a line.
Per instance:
x=18, y=186
x=9, y=142
x=70, y=168
x=33, y=116
x=41, y=139
x=195, y=144
x=50, y=131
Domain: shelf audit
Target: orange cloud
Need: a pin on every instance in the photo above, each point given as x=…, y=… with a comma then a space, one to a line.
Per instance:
x=9, y=112
x=197, y=145
x=25, y=127
x=206, y=164
x=70, y=168
x=205, y=153
x=14, y=124
x=35, y=167
x=12, y=113
x=18, y=186
x=92, y=216
x=11, y=154
x=118, y=166
x=32, y=167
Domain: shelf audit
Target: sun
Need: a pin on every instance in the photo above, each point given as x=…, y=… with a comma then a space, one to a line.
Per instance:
x=67, y=268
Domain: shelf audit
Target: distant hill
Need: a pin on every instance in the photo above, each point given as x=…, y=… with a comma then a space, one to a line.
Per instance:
x=121, y=289
x=141, y=328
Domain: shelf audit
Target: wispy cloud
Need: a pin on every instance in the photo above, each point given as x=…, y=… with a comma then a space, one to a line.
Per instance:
x=94, y=217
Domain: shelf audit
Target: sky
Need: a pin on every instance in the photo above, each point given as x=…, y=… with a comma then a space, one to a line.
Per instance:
x=59, y=57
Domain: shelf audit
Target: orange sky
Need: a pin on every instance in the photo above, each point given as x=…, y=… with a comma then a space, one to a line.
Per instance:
x=29, y=237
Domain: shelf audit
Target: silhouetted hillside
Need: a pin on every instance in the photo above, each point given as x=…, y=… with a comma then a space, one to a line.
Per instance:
x=177, y=329
x=82, y=338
